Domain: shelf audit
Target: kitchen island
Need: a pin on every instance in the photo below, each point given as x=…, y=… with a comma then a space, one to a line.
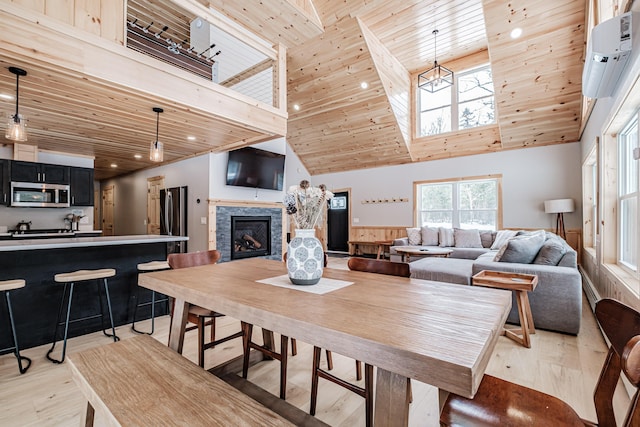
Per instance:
x=35, y=307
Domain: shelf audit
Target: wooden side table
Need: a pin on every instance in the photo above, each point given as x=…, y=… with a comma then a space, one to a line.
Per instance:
x=382, y=245
x=520, y=284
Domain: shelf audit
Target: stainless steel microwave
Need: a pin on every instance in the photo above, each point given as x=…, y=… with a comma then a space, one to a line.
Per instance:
x=38, y=195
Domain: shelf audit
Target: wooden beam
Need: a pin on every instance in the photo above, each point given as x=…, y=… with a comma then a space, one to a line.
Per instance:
x=249, y=72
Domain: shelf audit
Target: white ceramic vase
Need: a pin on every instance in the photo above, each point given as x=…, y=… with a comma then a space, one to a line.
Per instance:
x=305, y=258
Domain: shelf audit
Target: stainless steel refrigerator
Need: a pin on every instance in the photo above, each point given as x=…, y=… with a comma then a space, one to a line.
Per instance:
x=173, y=216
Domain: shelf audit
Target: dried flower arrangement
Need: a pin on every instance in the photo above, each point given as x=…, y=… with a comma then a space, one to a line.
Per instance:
x=305, y=203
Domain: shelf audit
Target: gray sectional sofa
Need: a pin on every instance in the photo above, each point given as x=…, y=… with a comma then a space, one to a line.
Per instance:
x=556, y=303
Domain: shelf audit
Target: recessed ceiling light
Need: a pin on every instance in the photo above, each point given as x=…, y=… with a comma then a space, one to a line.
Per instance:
x=6, y=96
x=113, y=165
x=296, y=107
x=191, y=138
x=137, y=156
x=364, y=85
x=516, y=32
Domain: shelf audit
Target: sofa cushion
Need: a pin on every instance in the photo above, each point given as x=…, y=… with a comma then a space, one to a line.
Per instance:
x=415, y=236
x=467, y=238
x=449, y=270
x=523, y=249
x=487, y=238
x=429, y=236
x=501, y=238
x=445, y=236
x=551, y=252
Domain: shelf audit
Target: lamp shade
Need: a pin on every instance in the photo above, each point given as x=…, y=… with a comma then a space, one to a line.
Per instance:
x=559, y=206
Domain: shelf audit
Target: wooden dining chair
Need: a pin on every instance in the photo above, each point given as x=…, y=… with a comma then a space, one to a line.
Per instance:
x=370, y=266
x=199, y=316
x=500, y=403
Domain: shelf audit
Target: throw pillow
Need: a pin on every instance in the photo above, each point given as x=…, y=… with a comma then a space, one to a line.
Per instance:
x=467, y=238
x=415, y=237
x=446, y=237
x=551, y=252
x=502, y=237
x=523, y=249
x=429, y=236
x=487, y=237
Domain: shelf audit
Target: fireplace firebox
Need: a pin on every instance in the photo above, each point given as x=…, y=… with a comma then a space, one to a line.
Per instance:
x=251, y=236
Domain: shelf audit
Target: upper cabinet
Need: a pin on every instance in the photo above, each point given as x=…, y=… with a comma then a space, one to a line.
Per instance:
x=81, y=187
x=39, y=172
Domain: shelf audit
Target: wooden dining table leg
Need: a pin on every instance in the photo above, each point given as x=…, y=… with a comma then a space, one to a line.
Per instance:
x=178, y=323
x=267, y=340
x=392, y=399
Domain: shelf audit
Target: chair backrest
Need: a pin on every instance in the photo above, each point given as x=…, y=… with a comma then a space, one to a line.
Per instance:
x=193, y=259
x=621, y=325
x=326, y=258
x=379, y=266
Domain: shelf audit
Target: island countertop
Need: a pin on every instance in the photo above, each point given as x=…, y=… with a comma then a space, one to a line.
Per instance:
x=78, y=242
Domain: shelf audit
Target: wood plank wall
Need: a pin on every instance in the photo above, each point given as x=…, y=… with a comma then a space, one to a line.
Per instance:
x=104, y=18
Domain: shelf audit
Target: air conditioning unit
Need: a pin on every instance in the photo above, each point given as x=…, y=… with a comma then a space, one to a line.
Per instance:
x=608, y=51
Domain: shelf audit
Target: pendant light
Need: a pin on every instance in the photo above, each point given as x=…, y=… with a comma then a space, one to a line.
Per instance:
x=16, y=126
x=156, y=153
x=438, y=77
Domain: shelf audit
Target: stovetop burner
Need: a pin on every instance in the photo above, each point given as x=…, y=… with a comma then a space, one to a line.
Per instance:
x=44, y=231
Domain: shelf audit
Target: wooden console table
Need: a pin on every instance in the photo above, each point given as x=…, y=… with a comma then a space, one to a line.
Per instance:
x=520, y=284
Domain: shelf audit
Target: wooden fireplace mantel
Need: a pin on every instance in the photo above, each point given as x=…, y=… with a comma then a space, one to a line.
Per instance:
x=213, y=203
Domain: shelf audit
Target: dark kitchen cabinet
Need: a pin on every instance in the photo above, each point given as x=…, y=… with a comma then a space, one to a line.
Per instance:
x=39, y=172
x=81, y=187
x=5, y=199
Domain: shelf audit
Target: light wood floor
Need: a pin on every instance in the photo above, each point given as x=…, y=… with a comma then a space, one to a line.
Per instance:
x=562, y=365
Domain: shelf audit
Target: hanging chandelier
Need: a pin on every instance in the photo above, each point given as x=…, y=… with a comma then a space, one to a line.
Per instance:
x=156, y=152
x=437, y=77
x=17, y=124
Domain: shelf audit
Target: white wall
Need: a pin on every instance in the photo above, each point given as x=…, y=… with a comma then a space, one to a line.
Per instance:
x=42, y=218
x=205, y=177
x=529, y=177
x=218, y=171
x=130, y=198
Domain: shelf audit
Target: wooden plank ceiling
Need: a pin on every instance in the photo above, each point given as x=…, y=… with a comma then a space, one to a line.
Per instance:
x=342, y=127
x=334, y=46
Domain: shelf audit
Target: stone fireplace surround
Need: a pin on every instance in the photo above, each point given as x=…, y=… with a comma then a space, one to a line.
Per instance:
x=220, y=213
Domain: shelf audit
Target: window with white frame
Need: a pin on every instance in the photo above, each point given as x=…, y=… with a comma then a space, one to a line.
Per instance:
x=469, y=203
x=590, y=198
x=466, y=104
x=628, y=196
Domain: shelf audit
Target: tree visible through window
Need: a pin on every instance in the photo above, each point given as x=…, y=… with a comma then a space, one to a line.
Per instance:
x=467, y=104
x=628, y=196
x=465, y=203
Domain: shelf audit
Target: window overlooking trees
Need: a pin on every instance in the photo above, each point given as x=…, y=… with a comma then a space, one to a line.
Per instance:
x=467, y=104
x=469, y=203
x=628, y=196
x=590, y=198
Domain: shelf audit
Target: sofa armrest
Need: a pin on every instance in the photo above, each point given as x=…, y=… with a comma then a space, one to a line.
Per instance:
x=403, y=241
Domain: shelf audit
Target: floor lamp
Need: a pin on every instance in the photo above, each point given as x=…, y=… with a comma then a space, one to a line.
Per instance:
x=559, y=207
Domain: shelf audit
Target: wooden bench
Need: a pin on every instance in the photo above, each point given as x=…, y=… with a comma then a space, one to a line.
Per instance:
x=141, y=382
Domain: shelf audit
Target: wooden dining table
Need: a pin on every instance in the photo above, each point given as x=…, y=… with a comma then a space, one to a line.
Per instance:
x=437, y=333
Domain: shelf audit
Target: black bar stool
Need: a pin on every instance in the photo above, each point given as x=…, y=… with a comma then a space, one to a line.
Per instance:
x=144, y=268
x=6, y=286
x=69, y=280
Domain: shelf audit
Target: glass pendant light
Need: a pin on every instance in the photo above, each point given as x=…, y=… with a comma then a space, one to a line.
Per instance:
x=16, y=126
x=156, y=152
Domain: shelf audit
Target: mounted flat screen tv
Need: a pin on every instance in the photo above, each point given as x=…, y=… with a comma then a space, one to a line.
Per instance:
x=255, y=168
